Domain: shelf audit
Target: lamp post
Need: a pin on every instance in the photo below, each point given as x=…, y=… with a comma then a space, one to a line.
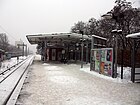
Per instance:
x=82, y=46
x=87, y=51
x=109, y=15
x=115, y=49
x=76, y=50
x=82, y=52
x=117, y=32
x=120, y=32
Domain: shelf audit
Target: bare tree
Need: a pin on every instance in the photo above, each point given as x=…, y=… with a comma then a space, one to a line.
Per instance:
x=80, y=26
x=4, y=43
x=124, y=17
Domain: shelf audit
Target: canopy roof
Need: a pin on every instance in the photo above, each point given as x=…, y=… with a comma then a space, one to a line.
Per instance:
x=56, y=38
x=102, y=38
x=135, y=35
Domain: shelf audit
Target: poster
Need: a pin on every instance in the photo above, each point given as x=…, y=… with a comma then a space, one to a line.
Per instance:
x=103, y=55
x=109, y=55
x=102, y=68
x=97, y=60
x=103, y=60
x=108, y=69
x=108, y=62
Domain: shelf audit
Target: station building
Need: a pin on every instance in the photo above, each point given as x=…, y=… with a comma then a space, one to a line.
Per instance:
x=59, y=46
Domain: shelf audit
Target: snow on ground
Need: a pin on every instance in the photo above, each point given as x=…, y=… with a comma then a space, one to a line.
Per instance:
x=127, y=75
x=67, y=84
x=8, y=63
x=38, y=57
x=86, y=68
x=126, y=72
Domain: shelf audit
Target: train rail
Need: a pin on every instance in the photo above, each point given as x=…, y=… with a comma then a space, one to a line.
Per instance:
x=8, y=69
x=4, y=74
x=12, y=82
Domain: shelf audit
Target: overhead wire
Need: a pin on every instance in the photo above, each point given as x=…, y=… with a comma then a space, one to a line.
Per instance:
x=7, y=33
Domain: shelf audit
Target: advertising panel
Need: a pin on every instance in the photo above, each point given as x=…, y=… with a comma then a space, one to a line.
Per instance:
x=103, y=60
x=97, y=60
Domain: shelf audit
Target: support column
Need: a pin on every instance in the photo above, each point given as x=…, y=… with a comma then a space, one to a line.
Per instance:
x=82, y=52
x=87, y=52
x=42, y=51
x=75, y=53
x=45, y=44
x=68, y=58
x=91, y=58
x=122, y=51
x=26, y=49
x=116, y=50
x=133, y=62
x=23, y=49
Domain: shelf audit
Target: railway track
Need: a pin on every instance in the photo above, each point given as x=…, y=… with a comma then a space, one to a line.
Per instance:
x=7, y=72
x=12, y=80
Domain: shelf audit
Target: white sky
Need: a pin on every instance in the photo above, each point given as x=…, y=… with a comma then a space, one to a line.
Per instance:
x=21, y=17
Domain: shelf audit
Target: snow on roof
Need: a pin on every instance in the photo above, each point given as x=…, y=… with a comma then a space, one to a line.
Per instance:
x=59, y=35
x=135, y=35
x=99, y=37
x=75, y=37
x=34, y=39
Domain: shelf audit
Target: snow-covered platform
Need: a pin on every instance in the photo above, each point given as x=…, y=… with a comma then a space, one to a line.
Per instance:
x=67, y=84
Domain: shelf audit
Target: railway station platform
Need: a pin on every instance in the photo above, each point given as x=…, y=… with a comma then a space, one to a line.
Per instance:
x=65, y=84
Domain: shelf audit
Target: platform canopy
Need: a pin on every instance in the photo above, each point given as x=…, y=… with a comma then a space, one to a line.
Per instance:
x=57, y=38
x=135, y=35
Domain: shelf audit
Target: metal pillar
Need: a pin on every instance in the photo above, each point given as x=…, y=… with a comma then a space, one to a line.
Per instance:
x=122, y=63
x=133, y=62
x=42, y=52
x=92, y=43
x=75, y=53
x=68, y=56
x=116, y=49
x=87, y=52
x=45, y=45
x=24, y=52
x=92, y=47
x=23, y=49
x=26, y=49
x=82, y=52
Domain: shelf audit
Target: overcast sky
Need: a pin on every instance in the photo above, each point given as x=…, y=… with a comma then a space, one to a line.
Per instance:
x=21, y=17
